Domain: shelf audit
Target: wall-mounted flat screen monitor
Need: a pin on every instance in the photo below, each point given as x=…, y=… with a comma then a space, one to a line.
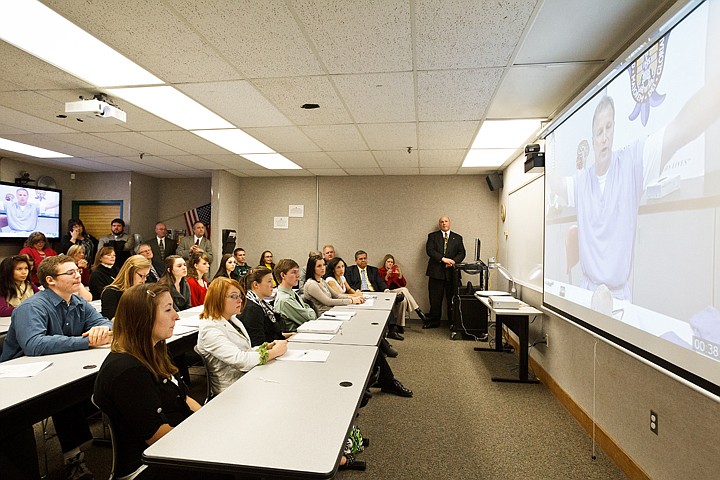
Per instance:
x=27, y=209
x=632, y=209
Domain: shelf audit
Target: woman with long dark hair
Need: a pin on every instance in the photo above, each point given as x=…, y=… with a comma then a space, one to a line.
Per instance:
x=78, y=236
x=104, y=271
x=174, y=279
x=15, y=286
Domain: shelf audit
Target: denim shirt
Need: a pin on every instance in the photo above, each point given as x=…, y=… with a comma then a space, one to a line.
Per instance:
x=45, y=324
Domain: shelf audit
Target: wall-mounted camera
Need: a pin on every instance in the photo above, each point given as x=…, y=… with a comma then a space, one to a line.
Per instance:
x=534, y=159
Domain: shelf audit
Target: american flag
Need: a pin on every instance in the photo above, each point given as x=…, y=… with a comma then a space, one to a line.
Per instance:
x=198, y=214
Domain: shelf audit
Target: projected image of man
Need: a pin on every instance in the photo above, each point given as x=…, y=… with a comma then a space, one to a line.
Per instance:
x=607, y=194
x=22, y=215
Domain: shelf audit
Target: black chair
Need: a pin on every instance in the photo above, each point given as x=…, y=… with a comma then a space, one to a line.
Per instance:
x=208, y=392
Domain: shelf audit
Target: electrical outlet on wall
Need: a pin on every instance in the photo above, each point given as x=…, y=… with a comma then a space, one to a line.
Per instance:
x=547, y=341
x=653, y=422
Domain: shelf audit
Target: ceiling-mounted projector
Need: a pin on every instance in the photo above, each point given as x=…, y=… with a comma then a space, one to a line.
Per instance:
x=95, y=107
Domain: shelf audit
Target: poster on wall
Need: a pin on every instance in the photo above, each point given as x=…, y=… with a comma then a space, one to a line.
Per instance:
x=280, y=223
x=297, y=211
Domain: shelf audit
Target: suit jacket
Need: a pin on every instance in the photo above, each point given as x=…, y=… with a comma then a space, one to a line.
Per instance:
x=352, y=275
x=170, y=249
x=183, y=248
x=434, y=249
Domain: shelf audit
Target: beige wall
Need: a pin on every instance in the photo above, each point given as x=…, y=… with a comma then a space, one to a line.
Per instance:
x=626, y=389
x=381, y=215
x=225, y=202
x=178, y=195
x=144, y=200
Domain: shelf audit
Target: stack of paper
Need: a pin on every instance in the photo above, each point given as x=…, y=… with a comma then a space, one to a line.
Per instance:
x=304, y=356
x=320, y=326
x=312, y=337
x=337, y=315
x=23, y=369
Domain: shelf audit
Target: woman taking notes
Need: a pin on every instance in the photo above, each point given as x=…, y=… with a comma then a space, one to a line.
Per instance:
x=223, y=340
x=136, y=386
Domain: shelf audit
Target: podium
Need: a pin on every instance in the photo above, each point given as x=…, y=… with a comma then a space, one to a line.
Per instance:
x=469, y=315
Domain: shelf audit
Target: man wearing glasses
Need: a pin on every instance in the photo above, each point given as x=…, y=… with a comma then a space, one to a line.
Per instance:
x=56, y=321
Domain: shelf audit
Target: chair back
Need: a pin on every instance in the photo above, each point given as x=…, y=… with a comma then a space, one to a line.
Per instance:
x=113, y=441
x=208, y=392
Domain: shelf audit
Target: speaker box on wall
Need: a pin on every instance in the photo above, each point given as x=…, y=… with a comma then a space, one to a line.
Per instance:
x=494, y=181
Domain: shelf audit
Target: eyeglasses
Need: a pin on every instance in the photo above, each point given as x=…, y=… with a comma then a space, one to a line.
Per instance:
x=234, y=296
x=144, y=252
x=69, y=273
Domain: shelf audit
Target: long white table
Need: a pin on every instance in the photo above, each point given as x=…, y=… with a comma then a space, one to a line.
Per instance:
x=366, y=327
x=4, y=325
x=305, y=404
x=384, y=301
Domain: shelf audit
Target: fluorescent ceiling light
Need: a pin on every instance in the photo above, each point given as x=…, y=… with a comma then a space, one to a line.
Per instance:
x=487, y=157
x=41, y=32
x=26, y=149
x=272, y=161
x=505, y=133
x=234, y=140
x=169, y=104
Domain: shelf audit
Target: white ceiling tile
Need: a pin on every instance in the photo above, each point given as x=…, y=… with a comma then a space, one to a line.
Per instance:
x=134, y=31
x=448, y=95
x=438, y=170
x=264, y=172
x=468, y=33
x=283, y=139
x=603, y=27
x=99, y=164
x=187, y=162
x=364, y=172
x=396, y=159
x=28, y=122
x=335, y=137
x=401, y=171
x=295, y=173
x=446, y=135
x=15, y=63
x=92, y=142
x=151, y=163
x=358, y=159
x=539, y=91
x=311, y=159
x=187, y=142
x=441, y=158
x=11, y=130
x=238, y=173
x=261, y=39
x=233, y=162
x=475, y=171
x=187, y=174
x=328, y=172
x=389, y=136
x=378, y=97
x=338, y=28
x=289, y=94
x=140, y=143
x=238, y=102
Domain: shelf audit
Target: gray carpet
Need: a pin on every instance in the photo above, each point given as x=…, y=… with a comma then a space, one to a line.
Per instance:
x=459, y=425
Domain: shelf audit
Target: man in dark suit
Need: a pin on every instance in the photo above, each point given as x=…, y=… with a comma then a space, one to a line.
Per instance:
x=162, y=246
x=362, y=276
x=445, y=249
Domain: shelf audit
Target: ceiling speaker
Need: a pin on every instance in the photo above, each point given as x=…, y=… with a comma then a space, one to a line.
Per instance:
x=494, y=181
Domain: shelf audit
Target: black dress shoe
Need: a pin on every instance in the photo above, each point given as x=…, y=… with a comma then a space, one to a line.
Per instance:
x=400, y=329
x=398, y=389
x=391, y=352
x=421, y=315
x=351, y=463
x=394, y=335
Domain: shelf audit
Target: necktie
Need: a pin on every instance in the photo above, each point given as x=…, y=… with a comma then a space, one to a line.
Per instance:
x=445, y=240
x=197, y=242
x=363, y=280
x=162, y=249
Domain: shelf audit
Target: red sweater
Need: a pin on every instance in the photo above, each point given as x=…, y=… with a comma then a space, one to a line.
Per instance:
x=394, y=281
x=198, y=289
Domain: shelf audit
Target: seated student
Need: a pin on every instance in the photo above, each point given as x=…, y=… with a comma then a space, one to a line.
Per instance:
x=15, y=286
x=103, y=271
x=266, y=260
x=335, y=277
x=55, y=320
x=223, y=340
x=227, y=267
x=77, y=252
x=174, y=278
x=136, y=385
x=393, y=276
x=133, y=272
x=156, y=269
x=288, y=304
x=257, y=316
x=242, y=268
x=303, y=270
x=37, y=247
x=197, y=269
x=318, y=294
